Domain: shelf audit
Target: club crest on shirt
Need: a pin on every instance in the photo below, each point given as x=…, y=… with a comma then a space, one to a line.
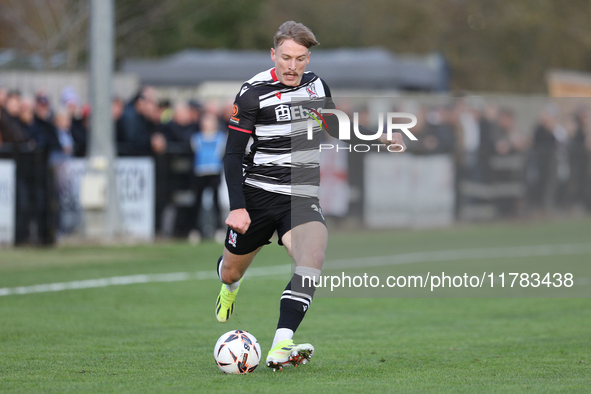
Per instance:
x=311, y=89
x=317, y=209
x=232, y=238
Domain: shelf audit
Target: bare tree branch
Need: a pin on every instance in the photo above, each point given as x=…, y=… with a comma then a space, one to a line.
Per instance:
x=152, y=15
x=13, y=16
x=71, y=24
x=46, y=16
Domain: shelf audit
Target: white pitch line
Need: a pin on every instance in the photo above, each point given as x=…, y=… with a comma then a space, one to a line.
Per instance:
x=462, y=254
x=407, y=258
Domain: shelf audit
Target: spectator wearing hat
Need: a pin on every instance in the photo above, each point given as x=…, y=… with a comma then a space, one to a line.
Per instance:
x=43, y=115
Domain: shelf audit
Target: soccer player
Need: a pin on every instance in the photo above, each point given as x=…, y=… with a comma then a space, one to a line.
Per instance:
x=275, y=186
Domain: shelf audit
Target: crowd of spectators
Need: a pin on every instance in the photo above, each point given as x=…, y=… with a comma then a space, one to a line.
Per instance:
x=32, y=122
x=143, y=127
x=146, y=126
x=42, y=137
x=551, y=160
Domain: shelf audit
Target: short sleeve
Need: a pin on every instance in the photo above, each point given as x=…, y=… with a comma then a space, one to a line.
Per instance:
x=328, y=104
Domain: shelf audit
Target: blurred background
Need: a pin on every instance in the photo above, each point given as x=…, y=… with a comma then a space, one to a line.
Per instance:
x=499, y=88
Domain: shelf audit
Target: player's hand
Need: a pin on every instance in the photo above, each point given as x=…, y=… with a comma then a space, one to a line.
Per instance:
x=396, y=140
x=238, y=220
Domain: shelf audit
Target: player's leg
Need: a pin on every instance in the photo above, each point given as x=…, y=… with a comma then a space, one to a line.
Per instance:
x=240, y=250
x=306, y=245
x=231, y=268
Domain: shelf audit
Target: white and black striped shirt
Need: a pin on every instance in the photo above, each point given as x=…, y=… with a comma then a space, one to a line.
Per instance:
x=281, y=159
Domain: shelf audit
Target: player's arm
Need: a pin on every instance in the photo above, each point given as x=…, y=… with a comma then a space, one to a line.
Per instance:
x=239, y=131
x=332, y=127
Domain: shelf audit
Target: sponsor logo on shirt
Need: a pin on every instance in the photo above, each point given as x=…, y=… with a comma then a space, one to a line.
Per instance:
x=282, y=113
x=234, y=119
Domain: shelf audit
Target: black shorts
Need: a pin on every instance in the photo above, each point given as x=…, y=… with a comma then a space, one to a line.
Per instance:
x=270, y=212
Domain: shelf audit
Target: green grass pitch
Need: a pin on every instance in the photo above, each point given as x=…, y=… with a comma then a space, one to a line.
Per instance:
x=159, y=336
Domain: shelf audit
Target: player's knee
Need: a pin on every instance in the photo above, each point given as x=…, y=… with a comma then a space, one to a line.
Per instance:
x=310, y=257
x=317, y=257
x=229, y=275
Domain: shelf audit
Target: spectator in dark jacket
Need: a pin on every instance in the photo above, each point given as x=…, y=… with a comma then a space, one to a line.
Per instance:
x=32, y=129
x=180, y=128
x=138, y=124
x=196, y=109
x=117, y=107
x=437, y=134
x=10, y=125
x=43, y=115
x=33, y=197
x=490, y=133
x=579, y=155
x=541, y=172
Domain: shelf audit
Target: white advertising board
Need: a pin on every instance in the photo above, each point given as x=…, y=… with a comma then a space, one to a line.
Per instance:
x=135, y=190
x=7, y=201
x=404, y=190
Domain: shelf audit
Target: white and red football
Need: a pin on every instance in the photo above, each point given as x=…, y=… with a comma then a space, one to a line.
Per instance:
x=237, y=352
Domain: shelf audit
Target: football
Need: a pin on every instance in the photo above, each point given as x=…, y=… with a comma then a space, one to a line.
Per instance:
x=237, y=352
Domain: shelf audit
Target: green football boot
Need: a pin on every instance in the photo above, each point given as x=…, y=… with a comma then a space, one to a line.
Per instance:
x=285, y=353
x=224, y=305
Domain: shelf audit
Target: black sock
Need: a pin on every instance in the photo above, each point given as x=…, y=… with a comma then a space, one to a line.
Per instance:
x=295, y=301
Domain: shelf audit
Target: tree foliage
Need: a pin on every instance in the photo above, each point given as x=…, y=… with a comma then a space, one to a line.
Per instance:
x=501, y=45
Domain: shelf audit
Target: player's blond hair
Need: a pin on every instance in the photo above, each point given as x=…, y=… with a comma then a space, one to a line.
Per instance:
x=291, y=30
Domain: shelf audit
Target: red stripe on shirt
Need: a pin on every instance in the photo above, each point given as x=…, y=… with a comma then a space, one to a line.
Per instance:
x=239, y=129
x=273, y=75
